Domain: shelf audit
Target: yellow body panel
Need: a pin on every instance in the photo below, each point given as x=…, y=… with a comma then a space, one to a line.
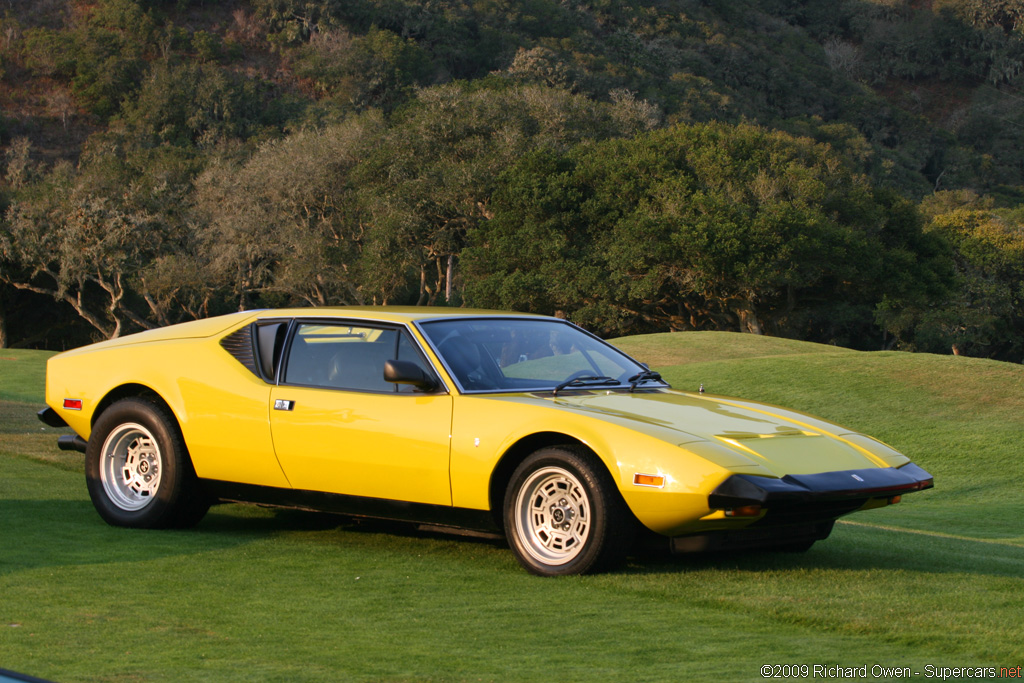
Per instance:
x=221, y=407
x=479, y=441
x=363, y=444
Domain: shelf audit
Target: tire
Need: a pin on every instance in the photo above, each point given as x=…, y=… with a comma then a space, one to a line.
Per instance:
x=564, y=515
x=138, y=470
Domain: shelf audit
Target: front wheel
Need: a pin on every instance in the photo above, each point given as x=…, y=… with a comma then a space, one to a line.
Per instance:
x=564, y=515
x=138, y=470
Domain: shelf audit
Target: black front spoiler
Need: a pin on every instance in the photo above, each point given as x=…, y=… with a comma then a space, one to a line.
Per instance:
x=789, y=537
x=816, y=498
x=741, y=490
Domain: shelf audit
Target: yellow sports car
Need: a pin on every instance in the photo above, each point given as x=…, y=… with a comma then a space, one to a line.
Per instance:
x=456, y=418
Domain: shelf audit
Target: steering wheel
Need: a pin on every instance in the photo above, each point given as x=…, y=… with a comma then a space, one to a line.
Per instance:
x=476, y=380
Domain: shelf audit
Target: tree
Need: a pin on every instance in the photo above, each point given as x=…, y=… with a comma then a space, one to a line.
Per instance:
x=79, y=249
x=984, y=314
x=192, y=104
x=107, y=238
x=703, y=226
x=429, y=179
x=377, y=70
x=103, y=56
x=284, y=225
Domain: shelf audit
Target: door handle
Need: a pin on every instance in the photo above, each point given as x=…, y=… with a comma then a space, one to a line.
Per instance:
x=281, y=404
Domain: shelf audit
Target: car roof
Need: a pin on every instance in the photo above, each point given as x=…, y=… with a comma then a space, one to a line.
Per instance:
x=397, y=314
x=207, y=327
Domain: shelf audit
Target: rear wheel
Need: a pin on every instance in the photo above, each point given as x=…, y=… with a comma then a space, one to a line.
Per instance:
x=138, y=470
x=564, y=515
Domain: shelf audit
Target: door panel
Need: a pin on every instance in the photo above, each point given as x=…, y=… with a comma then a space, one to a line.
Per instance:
x=339, y=427
x=362, y=444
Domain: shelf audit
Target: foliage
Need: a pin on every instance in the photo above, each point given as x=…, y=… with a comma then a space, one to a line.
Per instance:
x=193, y=104
x=700, y=226
x=284, y=224
x=378, y=69
x=103, y=57
x=167, y=110
x=429, y=179
x=985, y=314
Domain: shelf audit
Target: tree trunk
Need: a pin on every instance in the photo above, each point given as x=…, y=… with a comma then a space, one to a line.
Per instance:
x=744, y=309
x=448, y=278
x=423, y=285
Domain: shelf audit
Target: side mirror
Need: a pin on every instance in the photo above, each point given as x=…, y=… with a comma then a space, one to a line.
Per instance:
x=404, y=372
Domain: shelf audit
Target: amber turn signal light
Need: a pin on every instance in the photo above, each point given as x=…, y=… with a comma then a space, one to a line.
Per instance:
x=655, y=480
x=745, y=511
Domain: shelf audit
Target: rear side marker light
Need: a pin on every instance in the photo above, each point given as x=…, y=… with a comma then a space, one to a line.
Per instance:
x=655, y=480
x=72, y=404
x=745, y=511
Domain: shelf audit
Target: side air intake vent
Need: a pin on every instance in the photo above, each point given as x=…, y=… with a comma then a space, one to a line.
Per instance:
x=239, y=345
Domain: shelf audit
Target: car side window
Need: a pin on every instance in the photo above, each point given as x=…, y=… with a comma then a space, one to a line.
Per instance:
x=351, y=357
x=340, y=357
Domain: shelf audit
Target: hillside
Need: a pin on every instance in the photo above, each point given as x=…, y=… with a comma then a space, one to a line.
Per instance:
x=849, y=176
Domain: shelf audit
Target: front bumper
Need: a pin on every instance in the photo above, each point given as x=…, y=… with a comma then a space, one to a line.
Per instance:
x=816, y=497
x=747, y=489
x=798, y=509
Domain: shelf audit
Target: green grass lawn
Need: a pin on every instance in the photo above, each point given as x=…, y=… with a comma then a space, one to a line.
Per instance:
x=258, y=594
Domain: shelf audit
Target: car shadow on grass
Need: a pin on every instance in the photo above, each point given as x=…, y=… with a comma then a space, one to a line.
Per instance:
x=850, y=547
x=46, y=533
x=857, y=548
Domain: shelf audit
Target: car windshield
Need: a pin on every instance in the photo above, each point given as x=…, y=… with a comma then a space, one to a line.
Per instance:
x=506, y=354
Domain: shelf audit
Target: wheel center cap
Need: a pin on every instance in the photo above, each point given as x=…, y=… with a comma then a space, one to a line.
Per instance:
x=562, y=514
x=144, y=467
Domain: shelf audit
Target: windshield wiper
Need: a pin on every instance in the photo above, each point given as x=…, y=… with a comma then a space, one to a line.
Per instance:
x=585, y=381
x=646, y=375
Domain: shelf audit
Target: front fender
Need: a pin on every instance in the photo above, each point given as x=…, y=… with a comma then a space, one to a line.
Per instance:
x=486, y=428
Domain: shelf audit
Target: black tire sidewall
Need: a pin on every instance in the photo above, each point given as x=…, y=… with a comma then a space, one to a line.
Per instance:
x=162, y=510
x=605, y=544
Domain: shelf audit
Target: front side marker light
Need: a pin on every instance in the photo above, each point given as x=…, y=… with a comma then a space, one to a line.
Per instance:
x=895, y=499
x=653, y=480
x=72, y=404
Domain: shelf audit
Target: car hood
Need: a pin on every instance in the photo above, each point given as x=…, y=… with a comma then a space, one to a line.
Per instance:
x=735, y=433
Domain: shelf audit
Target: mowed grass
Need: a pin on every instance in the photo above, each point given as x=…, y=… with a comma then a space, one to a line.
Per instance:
x=258, y=594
